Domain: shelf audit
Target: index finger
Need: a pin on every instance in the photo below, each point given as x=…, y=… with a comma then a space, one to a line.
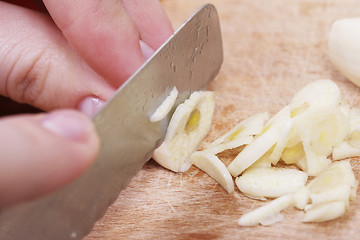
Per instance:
x=102, y=33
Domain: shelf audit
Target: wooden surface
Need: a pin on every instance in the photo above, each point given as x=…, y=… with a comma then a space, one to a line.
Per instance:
x=272, y=48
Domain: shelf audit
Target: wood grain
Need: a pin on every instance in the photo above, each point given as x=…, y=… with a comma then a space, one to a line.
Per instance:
x=271, y=49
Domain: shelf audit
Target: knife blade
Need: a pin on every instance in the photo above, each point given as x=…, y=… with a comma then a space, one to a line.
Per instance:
x=189, y=60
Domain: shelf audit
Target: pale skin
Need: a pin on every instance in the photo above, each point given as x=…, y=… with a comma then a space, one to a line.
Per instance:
x=72, y=60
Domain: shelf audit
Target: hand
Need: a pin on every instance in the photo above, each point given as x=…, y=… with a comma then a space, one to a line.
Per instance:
x=76, y=58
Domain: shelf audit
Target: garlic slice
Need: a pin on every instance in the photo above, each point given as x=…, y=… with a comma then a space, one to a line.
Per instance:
x=248, y=127
x=215, y=168
x=345, y=150
x=325, y=211
x=270, y=209
x=270, y=182
x=318, y=93
x=165, y=107
x=188, y=126
x=344, y=47
x=252, y=152
x=238, y=142
x=241, y=134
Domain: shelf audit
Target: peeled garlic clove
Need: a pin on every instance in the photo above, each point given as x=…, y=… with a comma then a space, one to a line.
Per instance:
x=188, y=126
x=315, y=94
x=215, y=168
x=270, y=182
x=165, y=107
x=325, y=211
x=248, y=127
x=265, y=212
x=344, y=47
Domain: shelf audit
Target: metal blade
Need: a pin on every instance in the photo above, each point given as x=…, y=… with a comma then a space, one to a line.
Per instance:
x=189, y=60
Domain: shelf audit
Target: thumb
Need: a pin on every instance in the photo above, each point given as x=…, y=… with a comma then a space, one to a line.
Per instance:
x=40, y=153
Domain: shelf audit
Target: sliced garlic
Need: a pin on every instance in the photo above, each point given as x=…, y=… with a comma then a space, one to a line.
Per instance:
x=252, y=152
x=214, y=167
x=325, y=211
x=323, y=128
x=265, y=212
x=238, y=142
x=165, y=107
x=270, y=182
x=320, y=129
x=315, y=94
x=241, y=134
x=314, y=163
x=248, y=127
x=338, y=173
x=292, y=155
x=345, y=150
x=340, y=192
x=189, y=124
x=281, y=142
x=344, y=47
x=301, y=197
x=262, y=143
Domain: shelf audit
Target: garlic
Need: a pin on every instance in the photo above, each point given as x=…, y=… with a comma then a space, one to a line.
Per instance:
x=270, y=182
x=188, y=126
x=344, y=47
x=265, y=212
x=165, y=107
x=241, y=134
x=262, y=143
x=215, y=168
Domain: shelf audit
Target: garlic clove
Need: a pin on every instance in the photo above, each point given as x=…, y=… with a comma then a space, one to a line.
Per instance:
x=344, y=47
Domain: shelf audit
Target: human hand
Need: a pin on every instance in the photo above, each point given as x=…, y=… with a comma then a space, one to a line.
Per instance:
x=75, y=59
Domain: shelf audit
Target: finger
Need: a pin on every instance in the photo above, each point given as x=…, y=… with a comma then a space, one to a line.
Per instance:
x=37, y=65
x=151, y=20
x=40, y=153
x=102, y=33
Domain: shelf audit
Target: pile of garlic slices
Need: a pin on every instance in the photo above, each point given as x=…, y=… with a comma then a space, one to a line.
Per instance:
x=311, y=138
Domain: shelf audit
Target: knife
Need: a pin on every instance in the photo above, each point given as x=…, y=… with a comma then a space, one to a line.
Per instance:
x=189, y=60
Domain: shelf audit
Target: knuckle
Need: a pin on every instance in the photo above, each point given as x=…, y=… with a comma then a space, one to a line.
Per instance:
x=27, y=77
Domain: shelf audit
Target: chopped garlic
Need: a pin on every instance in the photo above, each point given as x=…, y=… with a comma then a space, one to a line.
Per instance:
x=345, y=150
x=270, y=182
x=252, y=152
x=248, y=127
x=272, y=208
x=215, y=168
x=325, y=211
x=165, y=107
x=189, y=124
x=315, y=94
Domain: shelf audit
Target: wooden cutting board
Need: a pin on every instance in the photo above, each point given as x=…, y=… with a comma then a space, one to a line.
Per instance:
x=271, y=49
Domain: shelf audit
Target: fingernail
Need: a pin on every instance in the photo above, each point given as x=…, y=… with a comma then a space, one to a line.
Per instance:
x=146, y=50
x=69, y=124
x=90, y=106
